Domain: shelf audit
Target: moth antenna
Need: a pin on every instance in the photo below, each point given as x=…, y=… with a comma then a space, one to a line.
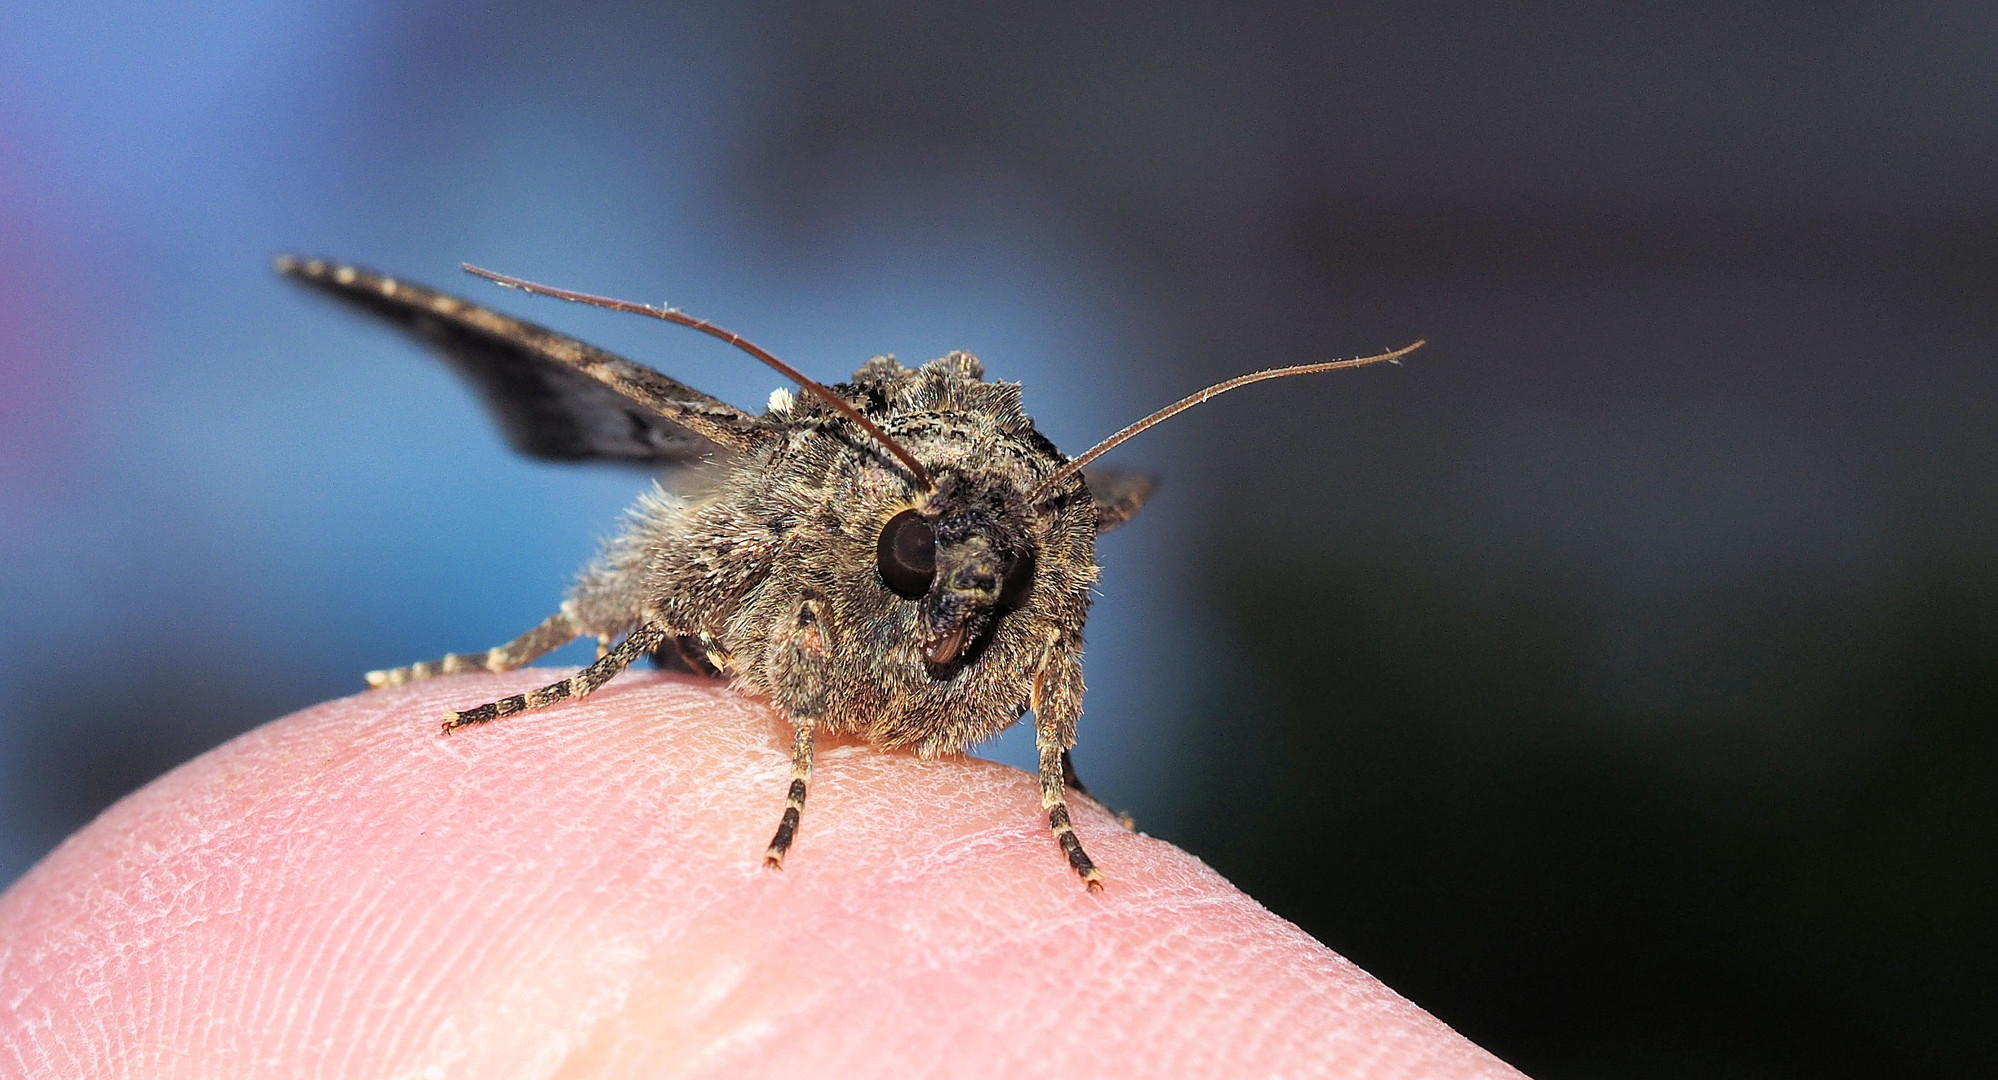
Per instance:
x=1061, y=476
x=839, y=404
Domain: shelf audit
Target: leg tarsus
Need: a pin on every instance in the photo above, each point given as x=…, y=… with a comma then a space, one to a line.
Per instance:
x=1054, y=801
x=578, y=686
x=794, y=799
x=798, y=672
x=553, y=632
x=1056, y=700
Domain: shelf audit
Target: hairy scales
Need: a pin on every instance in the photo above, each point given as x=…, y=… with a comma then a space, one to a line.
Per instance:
x=901, y=557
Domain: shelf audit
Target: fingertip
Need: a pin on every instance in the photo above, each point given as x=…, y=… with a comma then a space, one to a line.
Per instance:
x=587, y=876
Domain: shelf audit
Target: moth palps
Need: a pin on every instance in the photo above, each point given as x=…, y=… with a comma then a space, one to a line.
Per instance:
x=901, y=556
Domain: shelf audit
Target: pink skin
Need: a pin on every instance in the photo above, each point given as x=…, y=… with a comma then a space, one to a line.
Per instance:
x=345, y=892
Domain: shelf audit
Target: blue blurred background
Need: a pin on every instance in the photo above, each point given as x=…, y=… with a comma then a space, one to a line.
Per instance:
x=1616, y=678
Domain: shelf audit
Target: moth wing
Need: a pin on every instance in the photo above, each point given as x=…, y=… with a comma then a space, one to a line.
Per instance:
x=554, y=397
x=1117, y=494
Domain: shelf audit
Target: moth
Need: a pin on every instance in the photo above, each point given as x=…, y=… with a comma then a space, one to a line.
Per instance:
x=902, y=556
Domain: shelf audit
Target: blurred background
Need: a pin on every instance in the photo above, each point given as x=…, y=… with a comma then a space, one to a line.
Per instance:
x=1616, y=679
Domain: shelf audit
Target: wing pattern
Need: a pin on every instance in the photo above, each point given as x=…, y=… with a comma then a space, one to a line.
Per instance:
x=554, y=397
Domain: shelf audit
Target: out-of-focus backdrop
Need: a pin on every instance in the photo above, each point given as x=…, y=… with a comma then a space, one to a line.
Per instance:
x=1617, y=678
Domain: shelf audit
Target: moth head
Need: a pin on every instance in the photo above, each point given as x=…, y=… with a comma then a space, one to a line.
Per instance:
x=965, y=557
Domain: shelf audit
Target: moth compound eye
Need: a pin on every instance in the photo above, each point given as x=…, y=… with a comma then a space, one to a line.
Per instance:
x=1019, y=582
x=907, y=555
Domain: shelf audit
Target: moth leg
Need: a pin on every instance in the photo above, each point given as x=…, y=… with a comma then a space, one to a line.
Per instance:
x=1074, y=783
x=685, y=653
x=1054, y=800
x=579, y=685
x=554, y=632
x=794, y=800
x=1057, y=704
x=797, y=663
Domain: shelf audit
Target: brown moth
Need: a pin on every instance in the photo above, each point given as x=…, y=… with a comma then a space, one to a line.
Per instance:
x=902, y=556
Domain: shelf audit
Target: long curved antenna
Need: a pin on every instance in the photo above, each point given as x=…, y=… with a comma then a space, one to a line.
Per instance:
x=1060, y=476
x=839, y=405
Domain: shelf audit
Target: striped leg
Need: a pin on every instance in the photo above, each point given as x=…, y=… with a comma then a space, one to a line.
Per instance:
x=1056, y=699
x=1054, y=800
x=794, y=802
x=579, y=685
x=556, y=631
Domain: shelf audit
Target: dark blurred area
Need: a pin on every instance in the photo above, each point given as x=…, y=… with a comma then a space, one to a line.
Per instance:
x=1615, y=678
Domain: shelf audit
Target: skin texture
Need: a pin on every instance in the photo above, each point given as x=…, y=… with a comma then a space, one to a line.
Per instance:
x=346, y=892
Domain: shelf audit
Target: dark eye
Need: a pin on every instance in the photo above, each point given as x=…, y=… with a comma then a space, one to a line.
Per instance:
x=1019, y=582
x=907, y=555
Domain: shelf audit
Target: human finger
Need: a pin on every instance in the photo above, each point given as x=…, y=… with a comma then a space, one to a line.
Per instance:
x=580, y=892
